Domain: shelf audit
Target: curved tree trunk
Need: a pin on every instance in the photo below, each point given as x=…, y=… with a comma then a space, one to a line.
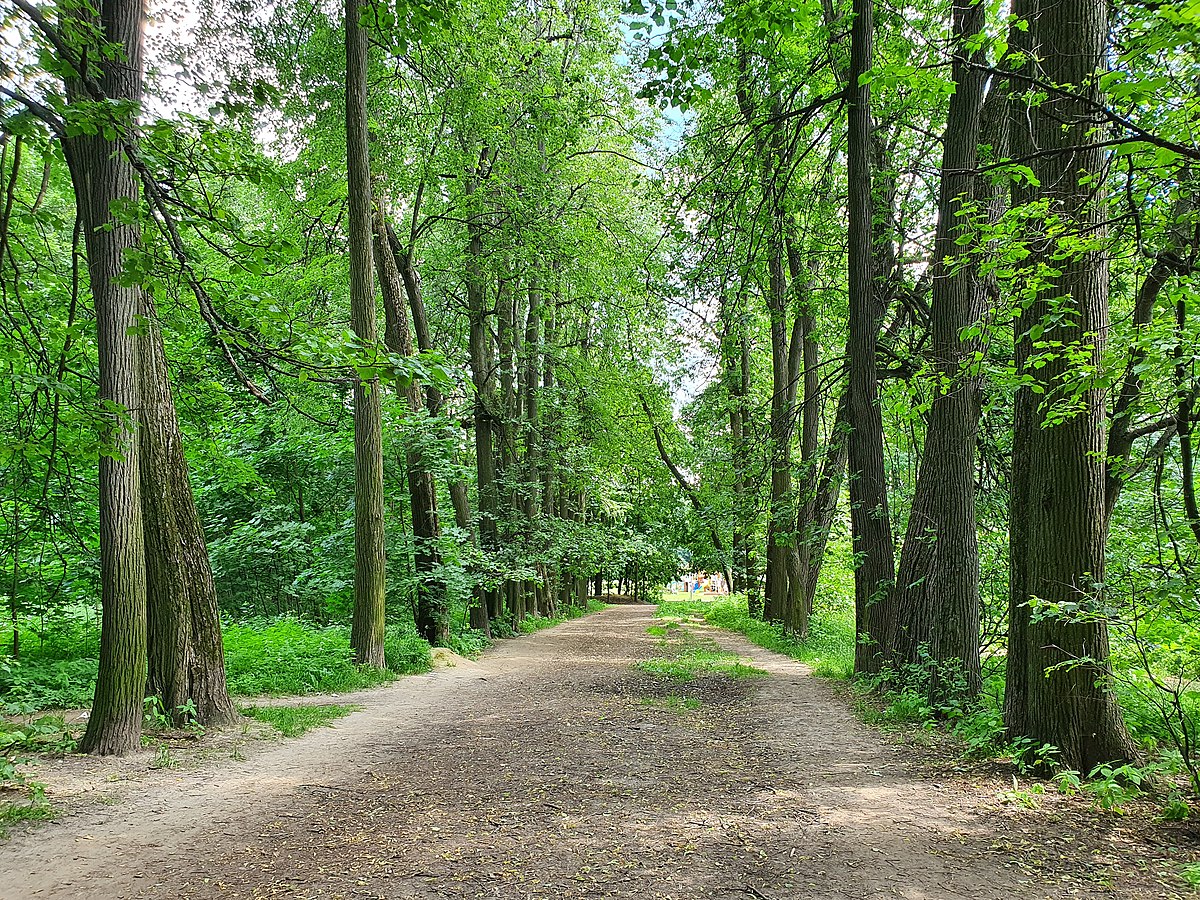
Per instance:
x=184, y=643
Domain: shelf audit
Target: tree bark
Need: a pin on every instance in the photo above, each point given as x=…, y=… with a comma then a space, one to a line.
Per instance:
x=814, y=538
x=370, y=557
x=481, y=377
x=937, y=584
x=184, y=644
x=875, y=611
x=431, y=614
x=1057, y=667
x=105, y=182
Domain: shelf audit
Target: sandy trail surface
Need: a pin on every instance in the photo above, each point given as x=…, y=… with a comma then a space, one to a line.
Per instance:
x=554, y=768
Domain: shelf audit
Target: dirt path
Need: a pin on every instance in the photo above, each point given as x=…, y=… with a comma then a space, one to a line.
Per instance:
x=548, y=770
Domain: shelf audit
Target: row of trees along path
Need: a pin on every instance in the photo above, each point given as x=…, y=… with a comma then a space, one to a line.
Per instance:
x=609, y=338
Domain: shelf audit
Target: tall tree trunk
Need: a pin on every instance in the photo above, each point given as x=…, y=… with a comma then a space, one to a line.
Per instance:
x=370, y=556
x=875, y=611
x=814, y=537
x=805, y=362
x=1058, y=690
x=104, y=180
x=431, y=614
x=735, y=362
x=780, y=544
x=481, y=376
x=548, y=431
x=937, y=584
x=184, y=643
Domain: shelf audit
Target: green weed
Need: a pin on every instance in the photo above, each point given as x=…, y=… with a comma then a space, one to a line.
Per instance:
x=664, y=629
x=33, y=811
x=293, y=721
x=673, y=702
x=405, y=651
x=1191, y=874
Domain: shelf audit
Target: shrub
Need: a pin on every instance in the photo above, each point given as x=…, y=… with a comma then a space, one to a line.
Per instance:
x=288, y=656
x=405, y=651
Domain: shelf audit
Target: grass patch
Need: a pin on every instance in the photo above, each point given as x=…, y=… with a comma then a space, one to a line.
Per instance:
x=293, y=721
x=12, y=813
x=829, y=648
x=694, y=661
x=664, y=629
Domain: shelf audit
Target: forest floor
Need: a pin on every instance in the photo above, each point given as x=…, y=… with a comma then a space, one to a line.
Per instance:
x=557, y=767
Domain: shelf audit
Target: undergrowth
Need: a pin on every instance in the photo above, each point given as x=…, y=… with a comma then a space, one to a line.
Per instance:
x=17, y=742
x=263, y=656
x=288, y=656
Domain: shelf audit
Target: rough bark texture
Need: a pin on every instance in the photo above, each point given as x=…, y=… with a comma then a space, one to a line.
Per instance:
x=937, y=585
x=481, y=377
x=875, y=616
x=1057, y=685
x=370, y=559
x=431, y=614
x=184, y=644
x=104, y=178
x=814, y=536
x=736, y=361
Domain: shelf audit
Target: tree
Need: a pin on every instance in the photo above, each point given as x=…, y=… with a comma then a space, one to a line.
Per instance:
x=184, y=645
x=938, y=580
x=1058, y=692
x=874, y=553
x=370, y=559
x=430, y=614
x=108, y=196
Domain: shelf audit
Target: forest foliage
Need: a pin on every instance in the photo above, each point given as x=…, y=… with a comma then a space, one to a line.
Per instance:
x=334, y=333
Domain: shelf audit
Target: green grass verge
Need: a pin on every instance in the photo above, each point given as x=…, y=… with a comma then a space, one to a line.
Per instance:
x=263, y=656
x=293, y=721
x=287, y=656
x=829, y=648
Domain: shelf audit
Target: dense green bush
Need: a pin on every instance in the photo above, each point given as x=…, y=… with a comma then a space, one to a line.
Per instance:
x=288, y=656
x=36, y=682
x=405, y=651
